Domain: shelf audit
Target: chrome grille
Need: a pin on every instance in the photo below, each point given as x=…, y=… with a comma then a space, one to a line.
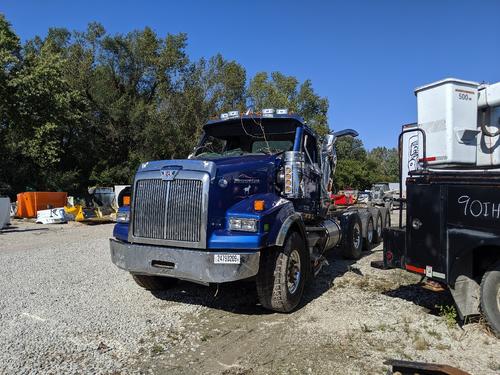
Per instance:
x=168, y=210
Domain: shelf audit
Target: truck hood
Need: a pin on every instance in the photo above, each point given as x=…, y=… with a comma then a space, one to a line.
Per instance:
x=232, y=179
x=228, y=167
x=238, y=178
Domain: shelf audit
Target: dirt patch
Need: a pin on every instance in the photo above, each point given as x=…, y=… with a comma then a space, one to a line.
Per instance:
x=353, y=318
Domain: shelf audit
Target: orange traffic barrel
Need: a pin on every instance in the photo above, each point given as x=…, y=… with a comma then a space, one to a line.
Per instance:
x=29, y=203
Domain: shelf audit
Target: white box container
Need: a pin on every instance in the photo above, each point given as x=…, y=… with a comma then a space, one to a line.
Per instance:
x=51, y=216
x=4, y=212
x=447, y=112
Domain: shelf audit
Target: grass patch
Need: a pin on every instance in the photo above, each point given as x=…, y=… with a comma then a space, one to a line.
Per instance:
x=448, y=313
x=157, y=349
x=206, y=337
x=406, y=328
x=384, y=327
x=495, y=366
x=420, y=343
x=434, y=334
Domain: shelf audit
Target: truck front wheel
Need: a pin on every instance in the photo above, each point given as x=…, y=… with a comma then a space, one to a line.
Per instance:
x=154, y=282
x=282, y=274
x=490, y=297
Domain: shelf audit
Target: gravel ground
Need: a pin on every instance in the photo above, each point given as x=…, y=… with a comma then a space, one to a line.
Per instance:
x=65, y=308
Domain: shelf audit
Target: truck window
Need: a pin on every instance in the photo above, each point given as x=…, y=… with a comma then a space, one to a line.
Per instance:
x=250, y=138
x=310, y=149
x=258, y=146
x=211, y=146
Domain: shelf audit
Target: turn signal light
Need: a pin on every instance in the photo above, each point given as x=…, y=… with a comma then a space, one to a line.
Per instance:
x=126, y=200
x=258, y=205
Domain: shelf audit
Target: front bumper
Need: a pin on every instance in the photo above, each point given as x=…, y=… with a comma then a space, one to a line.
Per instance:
x=186, y=264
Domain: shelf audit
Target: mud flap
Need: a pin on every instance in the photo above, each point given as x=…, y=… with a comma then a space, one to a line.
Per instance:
x=394, y=247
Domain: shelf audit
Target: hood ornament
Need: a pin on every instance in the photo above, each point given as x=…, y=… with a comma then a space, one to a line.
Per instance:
x=168, y=173
x=246, y=190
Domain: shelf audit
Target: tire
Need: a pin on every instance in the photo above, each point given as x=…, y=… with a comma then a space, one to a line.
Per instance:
x=353, y=240
x=389, y=205
x=490, y=297
x=379, y=226
x=370, y=233
x=154, y=282
x=387, y=219
x=282, y=274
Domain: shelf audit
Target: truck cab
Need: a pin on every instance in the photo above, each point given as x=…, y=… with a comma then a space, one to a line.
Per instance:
x=251, y=201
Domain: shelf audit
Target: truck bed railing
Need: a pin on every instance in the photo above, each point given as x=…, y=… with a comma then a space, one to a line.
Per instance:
x=402, y=201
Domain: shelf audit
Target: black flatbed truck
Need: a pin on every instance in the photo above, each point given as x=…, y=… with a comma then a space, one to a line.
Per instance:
x=452, y=236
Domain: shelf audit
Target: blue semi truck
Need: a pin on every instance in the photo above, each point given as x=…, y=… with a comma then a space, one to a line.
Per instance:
x=253, y=201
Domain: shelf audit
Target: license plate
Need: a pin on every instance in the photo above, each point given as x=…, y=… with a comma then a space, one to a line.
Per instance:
x=227, y=258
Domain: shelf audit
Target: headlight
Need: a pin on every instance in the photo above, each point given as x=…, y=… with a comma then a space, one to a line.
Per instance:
x=246, y=225
x=123, y=216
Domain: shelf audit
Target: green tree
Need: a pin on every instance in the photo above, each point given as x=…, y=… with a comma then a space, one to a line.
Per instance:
x=280, y=91
x=350, y=148
x=9, y=63
x=49, y=112
x=387, y=162
x=132, y=85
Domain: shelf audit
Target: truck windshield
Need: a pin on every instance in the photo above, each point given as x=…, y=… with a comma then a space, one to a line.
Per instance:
x=224, y=140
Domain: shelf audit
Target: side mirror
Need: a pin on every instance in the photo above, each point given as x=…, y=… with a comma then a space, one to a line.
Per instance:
x=343, y=133
x=330, y=139
x=328, y=144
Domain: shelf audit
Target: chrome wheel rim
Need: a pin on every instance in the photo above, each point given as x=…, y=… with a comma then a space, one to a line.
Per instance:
x=293, y=274
x=356, y=236
x=369, y=234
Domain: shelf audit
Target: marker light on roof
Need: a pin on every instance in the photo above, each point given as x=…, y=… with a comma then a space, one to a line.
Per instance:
x=268, y=112
x=282, y=111
x=233, y=114
x=224, y=116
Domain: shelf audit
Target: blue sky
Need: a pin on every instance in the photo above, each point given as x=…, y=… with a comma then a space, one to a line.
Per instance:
x=366, y=57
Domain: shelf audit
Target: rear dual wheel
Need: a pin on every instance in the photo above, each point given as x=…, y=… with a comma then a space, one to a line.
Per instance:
x=387, y=219
x=370, y=234
x=379, y=227
x=352, y=243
